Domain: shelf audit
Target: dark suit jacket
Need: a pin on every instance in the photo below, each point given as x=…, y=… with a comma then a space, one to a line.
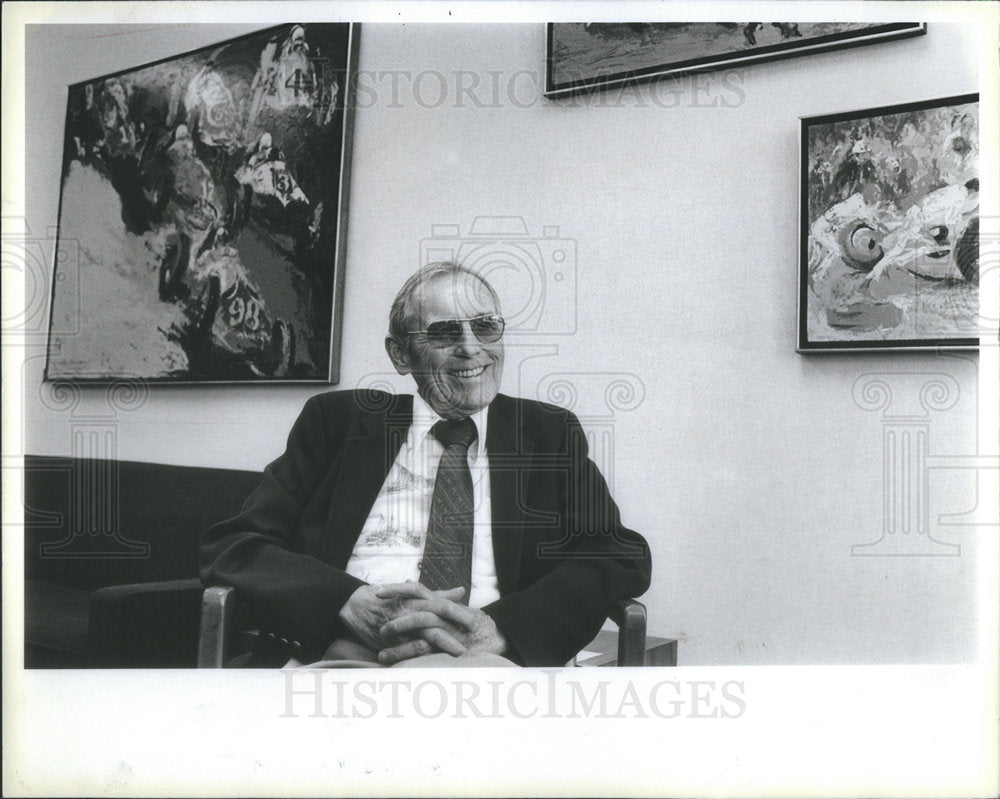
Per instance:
x=562, y=556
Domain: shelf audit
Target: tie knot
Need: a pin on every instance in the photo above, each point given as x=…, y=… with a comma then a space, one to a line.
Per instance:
x=455, y=431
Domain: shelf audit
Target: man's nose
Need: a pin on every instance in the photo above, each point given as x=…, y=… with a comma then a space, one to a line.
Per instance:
x=468, y=343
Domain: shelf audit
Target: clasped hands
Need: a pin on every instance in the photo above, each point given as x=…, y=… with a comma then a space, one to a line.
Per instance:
x=406, y=620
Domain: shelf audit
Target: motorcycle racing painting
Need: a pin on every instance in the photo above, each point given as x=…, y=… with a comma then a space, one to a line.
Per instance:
x=889, y=248
x=201, y=215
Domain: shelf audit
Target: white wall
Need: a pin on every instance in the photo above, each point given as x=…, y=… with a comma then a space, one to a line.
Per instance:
x=750, y=468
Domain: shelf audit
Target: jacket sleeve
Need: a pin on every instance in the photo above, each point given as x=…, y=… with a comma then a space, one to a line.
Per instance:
x=293, y=594
x=594, y=562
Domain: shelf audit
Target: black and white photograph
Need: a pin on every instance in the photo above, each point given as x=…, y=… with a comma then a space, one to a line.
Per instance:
x=501, y=399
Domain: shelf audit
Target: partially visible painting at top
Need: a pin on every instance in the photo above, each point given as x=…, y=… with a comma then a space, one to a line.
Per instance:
x=583, y=56
x=890, y=227
x=200, y=233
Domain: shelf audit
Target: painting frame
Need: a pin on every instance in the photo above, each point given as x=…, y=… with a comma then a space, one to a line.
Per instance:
x=290, y=133
x=904, y=262
x=556, y=87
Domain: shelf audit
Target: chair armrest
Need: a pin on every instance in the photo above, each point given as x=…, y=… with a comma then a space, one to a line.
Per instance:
x=630, y=616
x=144, y=625
x=218, y=620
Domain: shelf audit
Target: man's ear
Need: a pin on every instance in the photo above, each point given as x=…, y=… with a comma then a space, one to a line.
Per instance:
x=398, y=355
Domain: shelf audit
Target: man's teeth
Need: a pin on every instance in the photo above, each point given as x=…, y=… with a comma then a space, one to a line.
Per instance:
x=469, y=372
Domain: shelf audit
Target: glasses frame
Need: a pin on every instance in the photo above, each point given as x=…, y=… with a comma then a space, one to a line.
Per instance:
x=470, y=320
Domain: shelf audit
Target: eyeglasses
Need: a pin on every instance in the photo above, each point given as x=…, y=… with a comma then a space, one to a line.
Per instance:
x=486, y=328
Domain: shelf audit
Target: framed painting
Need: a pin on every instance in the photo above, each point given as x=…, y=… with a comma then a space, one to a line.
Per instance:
x=202, y=214
x=582, y=57
x=889, y=236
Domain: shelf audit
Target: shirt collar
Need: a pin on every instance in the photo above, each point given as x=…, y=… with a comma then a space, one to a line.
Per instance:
x=425, y=417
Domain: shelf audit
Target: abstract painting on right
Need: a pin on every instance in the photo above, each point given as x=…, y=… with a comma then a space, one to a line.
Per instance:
x=889, y=240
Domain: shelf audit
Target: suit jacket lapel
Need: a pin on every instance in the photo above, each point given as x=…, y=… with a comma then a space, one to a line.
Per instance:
x=509, y=452
x=368, y=452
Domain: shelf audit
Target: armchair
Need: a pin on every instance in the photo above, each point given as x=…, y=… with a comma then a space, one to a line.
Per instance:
x=225, y=638
x=111, y=559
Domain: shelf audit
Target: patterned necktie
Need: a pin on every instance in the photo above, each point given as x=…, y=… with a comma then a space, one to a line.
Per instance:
x=447, y=560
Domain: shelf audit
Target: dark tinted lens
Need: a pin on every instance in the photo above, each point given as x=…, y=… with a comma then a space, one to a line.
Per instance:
x=487, y=328
x=442, y=334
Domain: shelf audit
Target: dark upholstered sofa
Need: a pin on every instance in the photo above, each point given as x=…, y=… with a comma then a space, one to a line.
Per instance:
x=111, y=559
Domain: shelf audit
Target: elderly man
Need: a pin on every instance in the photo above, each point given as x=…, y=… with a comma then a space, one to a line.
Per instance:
x=458, y=525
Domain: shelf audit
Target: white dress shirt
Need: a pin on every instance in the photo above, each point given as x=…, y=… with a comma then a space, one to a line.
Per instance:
x=391, y=543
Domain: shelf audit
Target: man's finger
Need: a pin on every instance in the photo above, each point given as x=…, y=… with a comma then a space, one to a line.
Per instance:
x=407, y=590
x=435, y=601
x=413, y=622
x=410, y=649
x=444, y=641
x=460, y=615
x=453, y=612
x=413, y=605
x=412, y=590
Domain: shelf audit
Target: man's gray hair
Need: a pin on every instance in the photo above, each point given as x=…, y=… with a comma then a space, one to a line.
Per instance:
x=402, y=312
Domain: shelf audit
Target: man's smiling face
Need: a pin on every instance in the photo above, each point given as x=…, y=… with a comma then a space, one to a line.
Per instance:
x=459, y=379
